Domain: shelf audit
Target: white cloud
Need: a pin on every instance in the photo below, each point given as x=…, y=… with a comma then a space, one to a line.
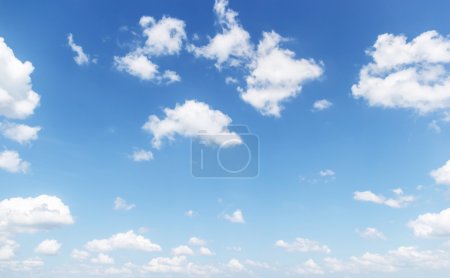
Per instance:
x=128, y=240
x=7, y=249
x=192, y=119
x=371, y=233
x=79, y=255
x=204, y=251
x=28, y=215
x=121, y=204
x=17, y=99
x=23, y=265
x=303, y=245
x=434, y=126
x=102, y=259
x=182, y=250
x=310, y=267
x=431, y=224
x=405, y=74
x=81, y=58
x=231, y=80
x=169, y=76
x=137, y=65
x=164, y=265
x=236, y=266
x=190, y=213
x=276, y=76
x=141, y=155
x=48, y=247
x=232, y=45
x=19, y=132
x=442, y=174
x=327, y=173
x=399, y=201
x=197, y=241
x=236, y=217
x=10, y=161
x=322, y=104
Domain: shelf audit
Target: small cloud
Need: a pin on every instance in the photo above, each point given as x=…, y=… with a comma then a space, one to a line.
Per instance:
x=121, y=204
x=303, y=245
x=182, y=250
x=48, y=247
x=204, y=251
x=236, y=217
x=322, y=104
x=440, y=175
x=231, y=80
x=327, y=173
x=10, y=161
x=433, y=126
x=196, y=241
x=190, y=213
x=399, y=201
x=81, y=58
x=371, y=233
x=102, y=259
x=141, y=155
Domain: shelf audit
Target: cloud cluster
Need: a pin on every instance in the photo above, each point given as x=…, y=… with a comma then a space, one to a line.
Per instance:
x=412, y=75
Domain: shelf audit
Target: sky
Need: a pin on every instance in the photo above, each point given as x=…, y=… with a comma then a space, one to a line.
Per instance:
x=224, y=138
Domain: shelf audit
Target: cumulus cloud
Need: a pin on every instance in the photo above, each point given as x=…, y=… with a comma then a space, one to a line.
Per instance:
x=182, y=250
x=79, y=255
x=10, y=161
x=121, y=204
x=442, y=174
x=371, y=233
x=192, y=119
x=399, y=201
x=276, y=76
x=197, y=241
x=180, y=265
x=120, y=241
x=232, y=45
x=204, y=251
x=236, y=266
x=310, y=267
x=322, y=104
x=163, y=37
x=141, y=155
x=17, y=99
x=81, y=58
x=48, y=247
x=236, y=217
x=303, y=245
x=431, y=224
x=19, y=132
x=412, y=75
x=7, y=249
x=102, y=259
x=29, y=215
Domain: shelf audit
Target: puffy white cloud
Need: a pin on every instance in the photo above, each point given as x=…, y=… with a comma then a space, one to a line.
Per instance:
x=164, y=264
x=204, y=251
x=232, y=45
x=81, y=58
x=371, y=233
x=432, y=224
x=10, y=161
x=182, y=250
x=405, y=74
x=236, y=217
x=7, y=249
x=192, y=119
x=399, y=201
x=28, y=215
x=442, y=174
x=17, y=99
x=141, y=155
x=164, y=37
x=79, y=255
x=137, y=65
x=236, y=266
x=48, y=247
x=322, y=104
x=19, y=132
x=327, y=173
x=197, y=241
x=303, y=245
x=121, y=204
x=310, y=267
x=128, y=240
x=276, y=76
x=102, y=259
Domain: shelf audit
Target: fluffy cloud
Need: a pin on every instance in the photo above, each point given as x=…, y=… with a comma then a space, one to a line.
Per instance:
x=10, y=161
x=48, y=247
x=141, y=155
x=405, y=74
x=164, y=265
x=442, y=174
x=182, y=250
x=236, y=217
x=192, y=119
x=276, y=76
x=327, y=173
x=232, y=45
x=128, y=240
x=7, y=249
x=204, y=251
x=121, y=204
x=81, y=58
x=236, y=266
x=399, y=201
x=19, y=132
x=303, y=245
x=322, y=104
x=164, y=37
x=310, y=267
x=197, y=241
x=371, y=233
x=28, y=215
x=102, y=259
x=432, y=224
x=79, y=255
x=23, y=265
x=17, y=99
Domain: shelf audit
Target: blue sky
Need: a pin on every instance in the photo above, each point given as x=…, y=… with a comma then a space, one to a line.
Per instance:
x=347, y=103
